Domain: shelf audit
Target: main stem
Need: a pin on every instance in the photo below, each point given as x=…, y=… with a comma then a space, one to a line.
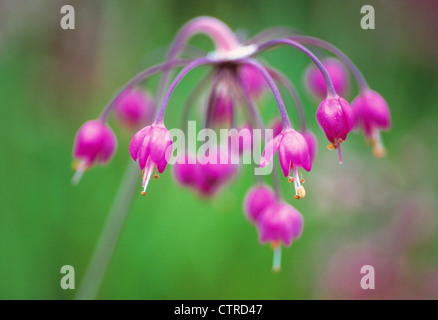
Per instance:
x=105, y=248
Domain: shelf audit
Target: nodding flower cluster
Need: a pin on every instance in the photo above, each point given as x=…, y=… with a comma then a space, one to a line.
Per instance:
x=235, y=83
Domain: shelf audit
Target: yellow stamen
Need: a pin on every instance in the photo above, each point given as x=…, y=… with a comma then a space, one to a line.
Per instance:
x=301, y=191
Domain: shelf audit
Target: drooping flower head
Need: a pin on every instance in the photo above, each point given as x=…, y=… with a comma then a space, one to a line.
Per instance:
x=238, y=78
x=94, y=143
x=152, y=146
x=338, y=74
x=256, y=200
x=293, y=153
x=371, y=113
x=335, y=117
x=134, y=108
x=279, y=223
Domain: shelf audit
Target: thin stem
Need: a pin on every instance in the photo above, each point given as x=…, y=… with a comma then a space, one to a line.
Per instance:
x=273, y=86
x=259, y=122
x=276, y=265
x=137, y=79
x=176, y=81
x=280, y=77
x=331, y=48
x=191, y=100
x=110, y=235
x=212, y=99
x=331, y=92
x=274, y=32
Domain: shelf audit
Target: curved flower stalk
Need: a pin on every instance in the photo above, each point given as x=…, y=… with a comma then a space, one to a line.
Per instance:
x=235, y=77
x=371, y=111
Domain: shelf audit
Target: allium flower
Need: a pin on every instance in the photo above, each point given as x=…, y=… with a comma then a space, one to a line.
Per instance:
x=94, y=143
x=256, y=200
x=293, y=153
x=185, y=170
x=134, y=108
x=212, y=174
x=279, y=223
x=371, y=113
x=336, y=119
x=315, y=81
x=223, y=108
x=235, y=80
x=205, y=176
x=152, y=147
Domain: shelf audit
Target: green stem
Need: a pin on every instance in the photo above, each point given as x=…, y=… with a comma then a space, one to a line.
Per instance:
x=110, y=235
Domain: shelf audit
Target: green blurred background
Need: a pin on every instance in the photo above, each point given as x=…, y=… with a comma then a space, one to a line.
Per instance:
x=174, y=244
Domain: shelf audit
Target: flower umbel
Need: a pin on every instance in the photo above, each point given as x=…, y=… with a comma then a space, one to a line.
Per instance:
x=235, y=82
x=293, y=153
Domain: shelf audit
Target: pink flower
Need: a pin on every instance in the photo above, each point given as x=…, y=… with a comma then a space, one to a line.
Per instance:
x=252, y=80
x=293, y=153
x=152, y=146
x=335, y=117
x=277, y=127
x=205, y=176
x=279, y=222
x=371, y=113
x=338, y=74
x=256, y=200
x=212, y=174
x=134, y=108
x=185, y=170
x=223, y=108
x=94, y=142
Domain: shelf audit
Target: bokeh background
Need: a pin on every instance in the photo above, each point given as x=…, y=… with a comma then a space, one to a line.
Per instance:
x=176, y=245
